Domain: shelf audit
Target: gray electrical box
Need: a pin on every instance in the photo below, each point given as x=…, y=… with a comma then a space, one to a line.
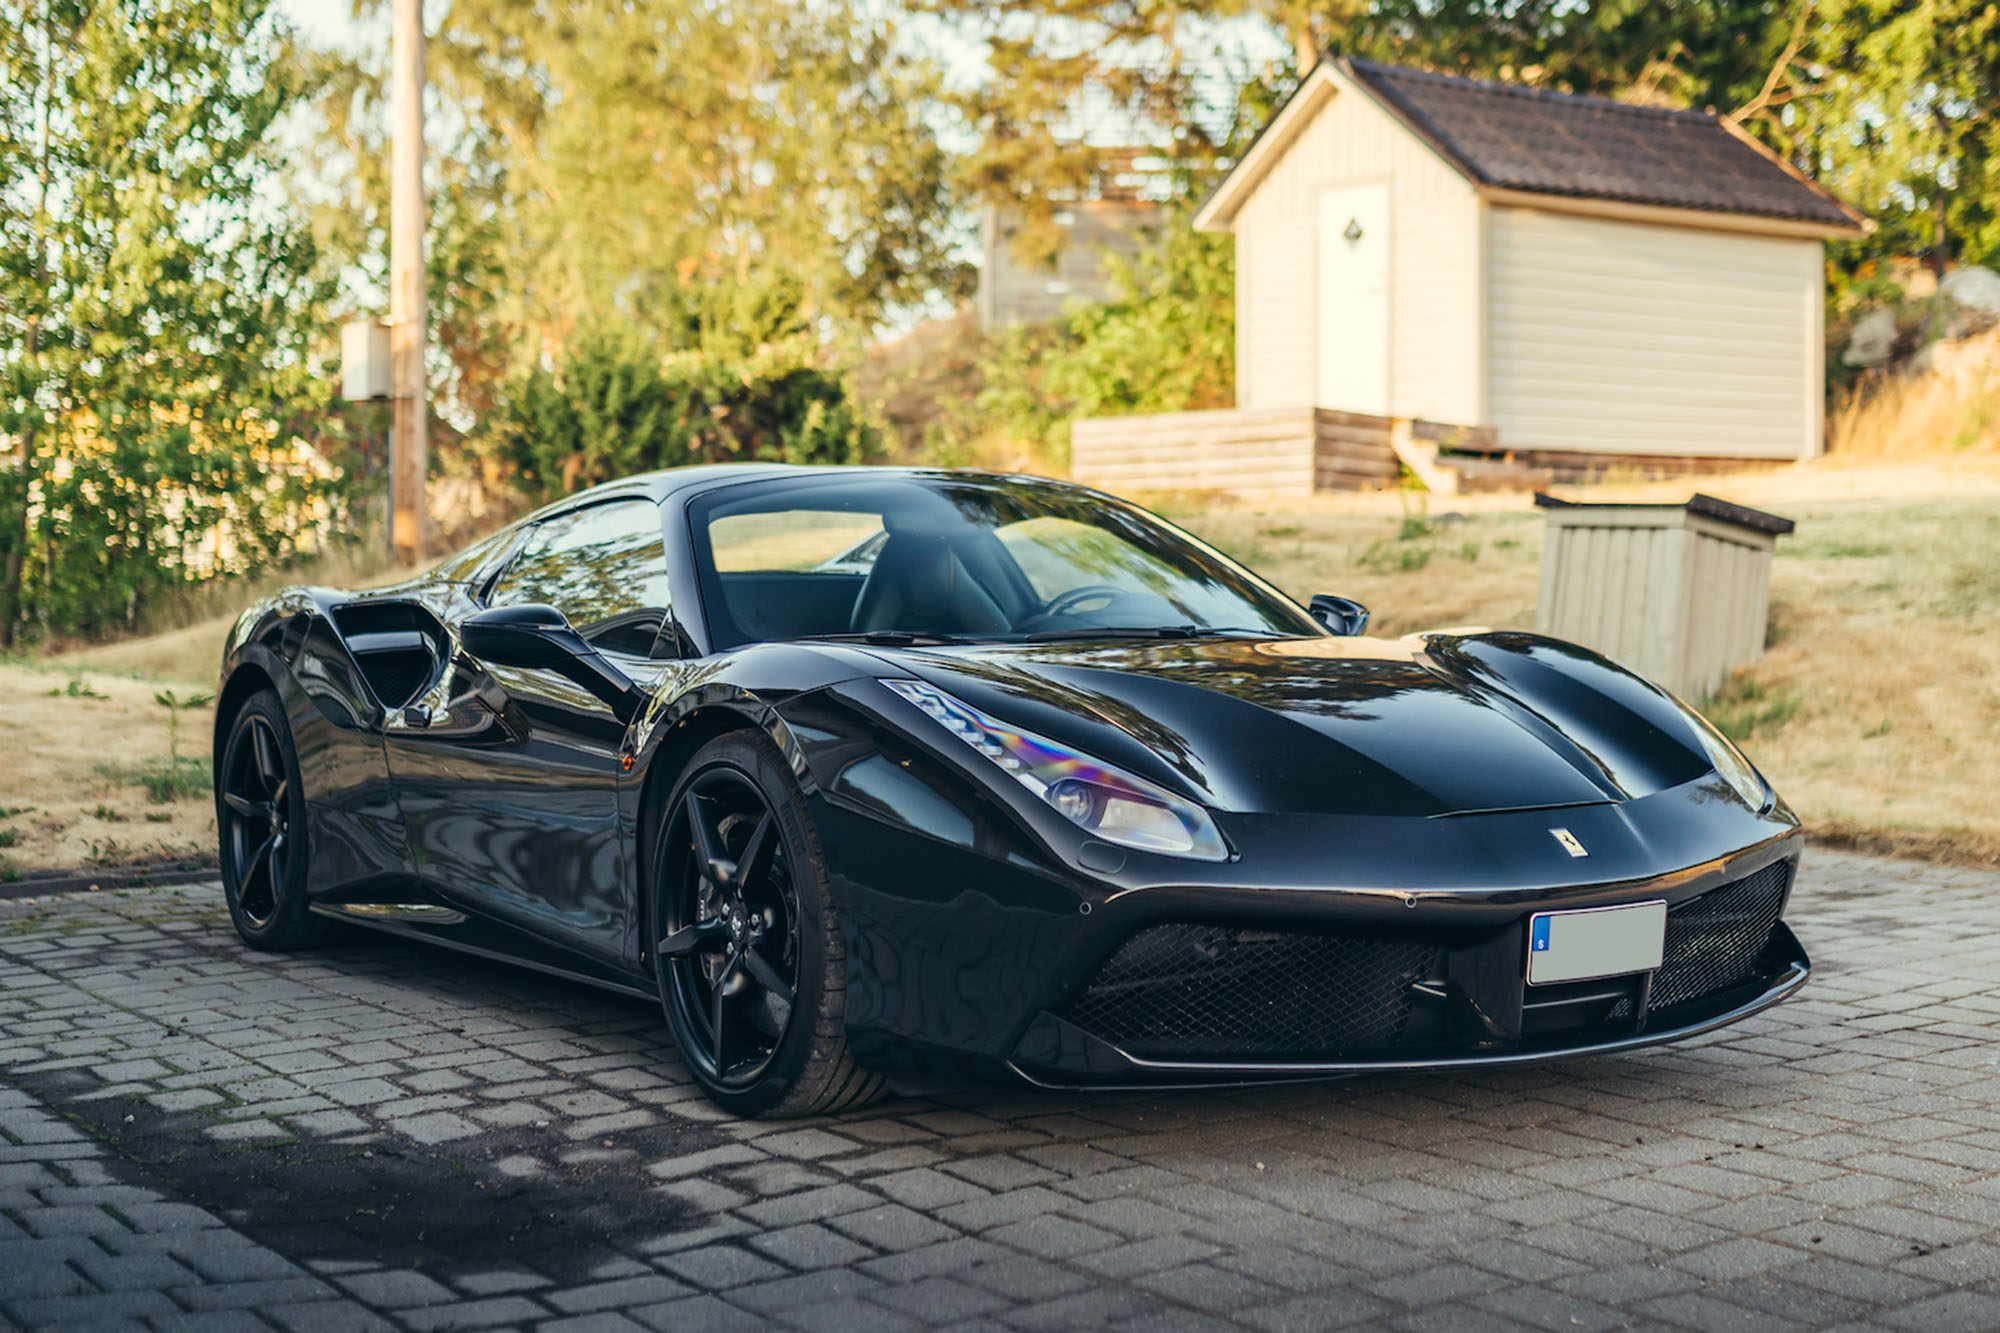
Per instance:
x=1678, y=593
x=365, y=373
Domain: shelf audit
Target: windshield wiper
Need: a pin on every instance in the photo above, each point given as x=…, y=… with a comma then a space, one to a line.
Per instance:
x=1142, y=632
x=891, y=638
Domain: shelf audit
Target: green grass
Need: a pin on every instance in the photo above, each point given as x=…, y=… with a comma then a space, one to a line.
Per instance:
x=164, y=780
x=1744, y=706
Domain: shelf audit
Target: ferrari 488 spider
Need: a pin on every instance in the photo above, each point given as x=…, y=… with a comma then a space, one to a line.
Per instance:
x=864, y=769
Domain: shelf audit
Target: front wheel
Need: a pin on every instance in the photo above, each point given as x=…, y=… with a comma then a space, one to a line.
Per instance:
x=749, y=959
x=260, y=822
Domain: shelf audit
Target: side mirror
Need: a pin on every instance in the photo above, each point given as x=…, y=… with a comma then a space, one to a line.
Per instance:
x=1342, y=615
x=539, y=637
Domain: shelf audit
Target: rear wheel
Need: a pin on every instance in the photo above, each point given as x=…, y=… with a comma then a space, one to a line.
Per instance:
x=260, y=822
x=749, y=958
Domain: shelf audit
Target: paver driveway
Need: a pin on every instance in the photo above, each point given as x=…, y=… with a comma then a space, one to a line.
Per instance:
x=380, y=1134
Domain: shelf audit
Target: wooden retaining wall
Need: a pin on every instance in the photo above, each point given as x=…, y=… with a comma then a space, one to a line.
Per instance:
x=1568, y=465
x=1269, y=452
x=1293, y=451
x=1351, y=451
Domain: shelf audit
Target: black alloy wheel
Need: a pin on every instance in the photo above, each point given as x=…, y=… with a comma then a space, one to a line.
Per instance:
x=750, y=965
x=260, y=825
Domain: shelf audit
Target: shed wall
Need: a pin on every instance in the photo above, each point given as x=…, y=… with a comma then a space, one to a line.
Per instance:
x=1631, y=338
x=1435, y=357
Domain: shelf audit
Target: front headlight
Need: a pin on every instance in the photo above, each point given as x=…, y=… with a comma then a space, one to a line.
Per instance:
x=1104, y=801
x=1730, y=763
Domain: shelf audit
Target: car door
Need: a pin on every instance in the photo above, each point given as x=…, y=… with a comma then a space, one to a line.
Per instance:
x=509, y=793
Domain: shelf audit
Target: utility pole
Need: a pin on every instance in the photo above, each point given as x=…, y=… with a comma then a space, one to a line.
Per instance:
x=408, y=317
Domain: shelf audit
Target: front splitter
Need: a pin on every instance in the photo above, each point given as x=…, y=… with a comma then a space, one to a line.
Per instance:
x=1110, y=1069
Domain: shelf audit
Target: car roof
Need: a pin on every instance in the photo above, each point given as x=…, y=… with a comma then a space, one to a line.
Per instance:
x=669, y=482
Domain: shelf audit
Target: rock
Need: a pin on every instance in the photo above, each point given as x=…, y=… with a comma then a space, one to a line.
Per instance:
x=1873, y=340
x=1975, y=288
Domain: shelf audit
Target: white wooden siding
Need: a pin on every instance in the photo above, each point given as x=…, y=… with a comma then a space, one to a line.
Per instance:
x=1680, y=598
x=1631, y=338
x=1435, y=356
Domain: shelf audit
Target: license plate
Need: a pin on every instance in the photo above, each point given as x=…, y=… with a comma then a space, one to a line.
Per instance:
x=1595, y=942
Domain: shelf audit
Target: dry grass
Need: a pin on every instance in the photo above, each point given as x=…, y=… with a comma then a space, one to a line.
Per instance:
x=1955, y=406
x=1878, y=705
x=71, y=792
x=192, y=654
x=1414, y=570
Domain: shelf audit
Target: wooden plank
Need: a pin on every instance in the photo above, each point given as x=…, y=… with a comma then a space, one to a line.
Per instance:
x=1346, y=467
x=1474, y=438
x=1331, y=416
x=1168, y=446
x=1552, y=566
x=1377, y=446
x=1227, y=420
x=1172, y=457
x=1362, y=434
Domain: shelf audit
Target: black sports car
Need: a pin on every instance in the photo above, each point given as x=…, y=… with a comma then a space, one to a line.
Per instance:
x=859, y=769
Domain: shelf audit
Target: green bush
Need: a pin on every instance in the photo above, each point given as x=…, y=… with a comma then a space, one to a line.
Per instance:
x=614, y=404
x=1164, y=342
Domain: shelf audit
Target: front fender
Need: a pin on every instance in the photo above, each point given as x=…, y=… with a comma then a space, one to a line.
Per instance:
x=288, y=643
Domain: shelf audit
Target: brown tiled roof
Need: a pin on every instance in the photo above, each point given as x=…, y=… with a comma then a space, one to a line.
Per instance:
x=1542, y=142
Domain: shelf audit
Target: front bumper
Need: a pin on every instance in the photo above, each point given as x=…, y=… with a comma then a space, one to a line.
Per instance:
x=1056, y=1052
x=1232, y=999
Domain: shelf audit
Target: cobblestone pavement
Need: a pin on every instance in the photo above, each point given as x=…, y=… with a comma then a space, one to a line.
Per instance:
x=382, y=1135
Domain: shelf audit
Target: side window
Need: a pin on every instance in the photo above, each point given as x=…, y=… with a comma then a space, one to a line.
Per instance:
x=462, y=567
x=604, y=567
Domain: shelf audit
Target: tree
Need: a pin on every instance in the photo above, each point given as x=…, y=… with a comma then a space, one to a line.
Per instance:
x=647, y=162
x=1072, y=87
x=1692, y=53
x=1895, y=114
x=156, y=305
x=1186, y=79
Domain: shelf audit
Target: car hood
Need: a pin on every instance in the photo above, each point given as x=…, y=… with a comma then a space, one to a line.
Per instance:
x=1442, y=725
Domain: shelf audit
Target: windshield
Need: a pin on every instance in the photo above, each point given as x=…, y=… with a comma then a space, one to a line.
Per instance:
x=962, y=557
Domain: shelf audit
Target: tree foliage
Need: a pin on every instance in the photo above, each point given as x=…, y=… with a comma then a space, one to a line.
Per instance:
x=615, y=404
x=1185, y=83
x=626, y=162
x=155, y=307
x=1165, y=341
x=1894, y=109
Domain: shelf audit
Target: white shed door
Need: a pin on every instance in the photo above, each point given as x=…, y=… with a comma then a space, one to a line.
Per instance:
x=1354, y=299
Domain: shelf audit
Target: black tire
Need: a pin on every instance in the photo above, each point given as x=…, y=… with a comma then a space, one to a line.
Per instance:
x=260, y=826
x=732, y=937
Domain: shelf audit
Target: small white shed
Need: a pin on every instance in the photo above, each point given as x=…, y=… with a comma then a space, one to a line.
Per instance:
x=1584, y=276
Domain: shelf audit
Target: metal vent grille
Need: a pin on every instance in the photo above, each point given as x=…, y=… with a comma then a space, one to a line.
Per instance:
x=1186, y=989
x=1713, y=941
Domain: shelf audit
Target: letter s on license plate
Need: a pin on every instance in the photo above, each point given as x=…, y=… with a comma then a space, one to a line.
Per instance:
x=1596, y=942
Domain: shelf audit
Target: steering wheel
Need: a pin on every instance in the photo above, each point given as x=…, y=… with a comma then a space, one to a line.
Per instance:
x=1064, y=604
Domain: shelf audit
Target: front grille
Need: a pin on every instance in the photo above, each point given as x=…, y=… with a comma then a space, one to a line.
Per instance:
x=1187, y=989
x=1714, y=941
